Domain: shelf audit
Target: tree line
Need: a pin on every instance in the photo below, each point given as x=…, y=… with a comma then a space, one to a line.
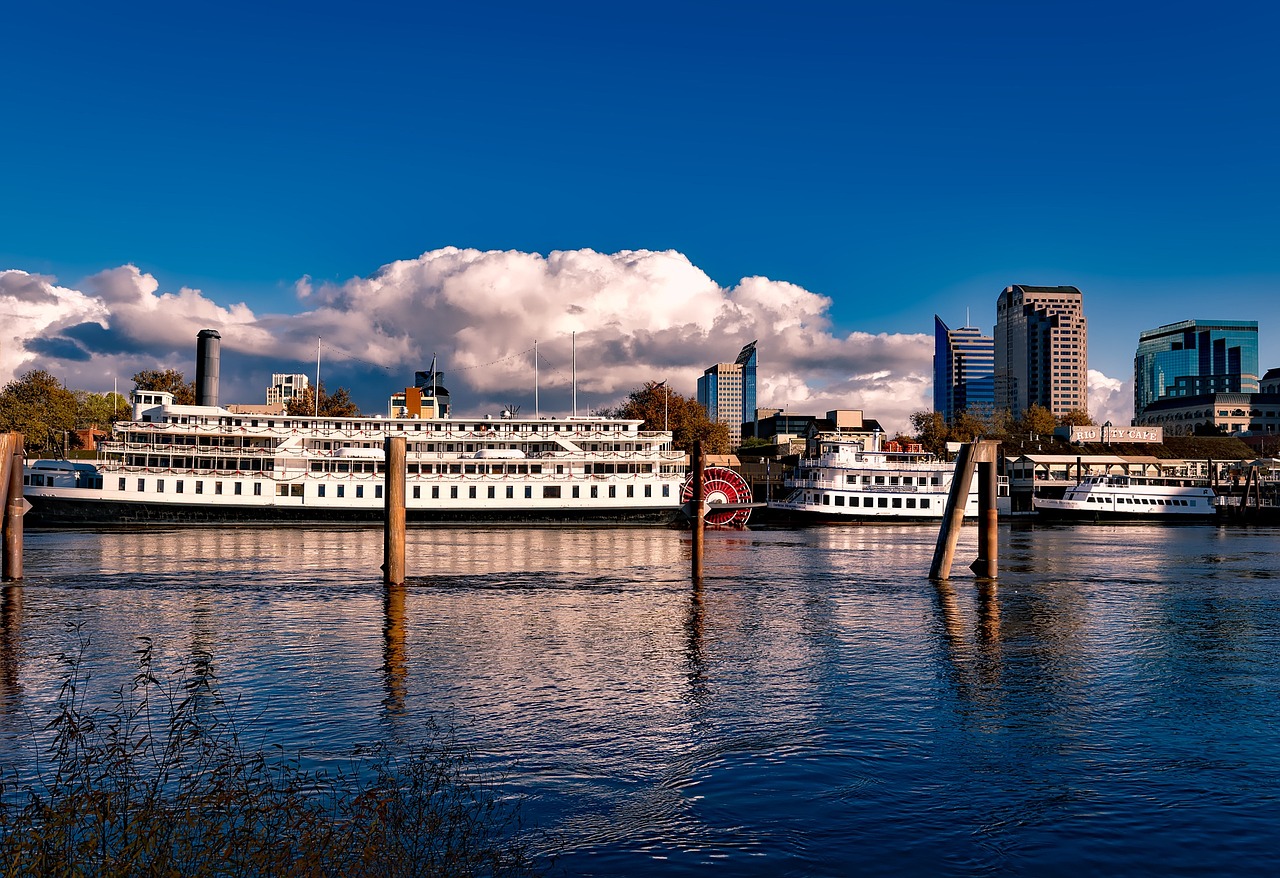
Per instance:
x=933, y=431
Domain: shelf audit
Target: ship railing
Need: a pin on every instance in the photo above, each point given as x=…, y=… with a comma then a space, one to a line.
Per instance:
x=833, y=485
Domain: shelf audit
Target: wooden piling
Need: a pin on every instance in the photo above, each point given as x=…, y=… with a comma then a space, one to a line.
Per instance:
x=986, y=566
x=11, y=461
x=393, y=498
x=978, y=451
x=699, y=511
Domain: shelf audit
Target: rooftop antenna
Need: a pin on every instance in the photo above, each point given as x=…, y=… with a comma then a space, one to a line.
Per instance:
x=966, y=318
x=317, y=376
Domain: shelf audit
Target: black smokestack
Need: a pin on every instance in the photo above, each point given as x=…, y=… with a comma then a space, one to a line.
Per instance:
x=208, y=363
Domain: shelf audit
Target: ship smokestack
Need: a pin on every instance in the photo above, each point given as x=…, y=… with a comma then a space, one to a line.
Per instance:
x=208, y=363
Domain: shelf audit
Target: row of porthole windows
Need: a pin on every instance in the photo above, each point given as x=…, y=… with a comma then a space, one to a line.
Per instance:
x=876, y=502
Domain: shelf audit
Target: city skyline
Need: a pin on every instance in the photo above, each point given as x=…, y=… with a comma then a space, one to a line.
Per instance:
x=668, y=186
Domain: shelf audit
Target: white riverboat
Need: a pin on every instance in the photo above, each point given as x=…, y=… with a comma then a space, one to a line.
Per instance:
x=864, y=479
x=1131, y=497
x=174, y=464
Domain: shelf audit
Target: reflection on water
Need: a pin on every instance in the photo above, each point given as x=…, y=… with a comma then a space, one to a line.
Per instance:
x=814, y=705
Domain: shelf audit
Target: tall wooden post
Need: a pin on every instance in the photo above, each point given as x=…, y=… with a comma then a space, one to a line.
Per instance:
x=986, y=565
x=393, y=530
x=977, y=451
x=11, y=461
x=699, y=510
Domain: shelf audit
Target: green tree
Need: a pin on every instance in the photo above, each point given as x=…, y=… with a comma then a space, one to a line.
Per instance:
x=42, y=409
x=931, y=431
x=657, y=405
x=168, y=381
x=335, y=405
x=100, y=410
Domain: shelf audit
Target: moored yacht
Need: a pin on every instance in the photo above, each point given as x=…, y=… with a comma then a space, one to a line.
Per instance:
x=1131, y=497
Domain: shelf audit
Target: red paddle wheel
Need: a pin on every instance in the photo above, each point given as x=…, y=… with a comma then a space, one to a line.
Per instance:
x=721, y=485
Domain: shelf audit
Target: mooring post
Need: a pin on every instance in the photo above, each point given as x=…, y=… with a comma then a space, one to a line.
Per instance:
x=977, y=451
x=393, y=531
x=986, y=565
x=11, y=452
x=953, y=515
x=699, y=510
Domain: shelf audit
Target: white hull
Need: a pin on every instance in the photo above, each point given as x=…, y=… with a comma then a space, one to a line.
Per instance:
x=1125, y=497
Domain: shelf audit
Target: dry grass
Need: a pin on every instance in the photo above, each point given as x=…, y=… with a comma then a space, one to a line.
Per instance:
x=158, y=782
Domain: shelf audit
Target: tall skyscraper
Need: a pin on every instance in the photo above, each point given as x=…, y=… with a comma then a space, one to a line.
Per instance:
x=963, y=369
x=728, y=392
x=1042, y=349
x=1194, y=357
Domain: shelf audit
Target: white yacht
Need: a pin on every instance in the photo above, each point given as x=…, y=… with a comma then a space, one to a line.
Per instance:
x=863, y=478
x=1136, y=497
x=204, y=463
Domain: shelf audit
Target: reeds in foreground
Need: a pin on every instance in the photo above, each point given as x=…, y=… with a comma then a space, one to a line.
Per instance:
x=159, y=782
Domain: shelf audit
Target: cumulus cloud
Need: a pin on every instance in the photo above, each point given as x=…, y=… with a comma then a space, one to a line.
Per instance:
x=1110, y=399
x=634, y=315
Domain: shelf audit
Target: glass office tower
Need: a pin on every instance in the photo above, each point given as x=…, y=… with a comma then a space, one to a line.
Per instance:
x=964, y=362
x=1195, y=357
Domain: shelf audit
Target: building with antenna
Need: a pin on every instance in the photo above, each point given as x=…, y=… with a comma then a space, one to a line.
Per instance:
x=963, y=370
x=728, y=392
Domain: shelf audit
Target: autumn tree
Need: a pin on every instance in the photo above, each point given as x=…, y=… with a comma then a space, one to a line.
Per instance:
x=1036, y=421
x=41, y=408
x=1075, y=418
x=661, y=408
x=335, y=405
x=167, y=381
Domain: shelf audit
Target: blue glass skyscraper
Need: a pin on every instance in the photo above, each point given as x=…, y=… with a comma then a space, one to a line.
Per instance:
x=1194, y=357
x=963, y=370
x=728, y=392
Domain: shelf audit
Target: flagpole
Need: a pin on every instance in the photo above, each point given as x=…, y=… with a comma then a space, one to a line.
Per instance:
x=317, y=376
x=536, y=412
x=573, y=341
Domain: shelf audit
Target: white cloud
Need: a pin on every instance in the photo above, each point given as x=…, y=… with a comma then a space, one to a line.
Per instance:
x=1110, y=399
x=638, y=315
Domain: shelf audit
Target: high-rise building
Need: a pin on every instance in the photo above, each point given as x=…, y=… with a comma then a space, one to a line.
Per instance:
x=1042, y=349
x=963, y=369
x=1195, y=357
x=285, y=387
x=728, y=392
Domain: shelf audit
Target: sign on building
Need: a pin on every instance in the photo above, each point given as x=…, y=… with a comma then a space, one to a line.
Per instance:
x=1093, y=434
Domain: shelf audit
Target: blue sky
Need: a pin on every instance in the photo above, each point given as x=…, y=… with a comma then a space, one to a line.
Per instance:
x=897, y=159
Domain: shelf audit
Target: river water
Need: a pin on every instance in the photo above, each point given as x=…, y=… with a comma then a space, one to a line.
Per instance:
x=816, y=707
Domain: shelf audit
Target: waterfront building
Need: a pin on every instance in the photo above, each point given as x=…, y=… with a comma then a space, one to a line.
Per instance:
x=285, y=387
x=1041, y=349
x=1194, y=358
x=1232, y=413
x=728, y=392
x=428, y=398
x=963, y=370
